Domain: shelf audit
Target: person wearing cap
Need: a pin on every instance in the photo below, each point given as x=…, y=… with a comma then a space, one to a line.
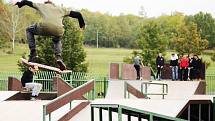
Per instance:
x=28, y=84
x=51, y=25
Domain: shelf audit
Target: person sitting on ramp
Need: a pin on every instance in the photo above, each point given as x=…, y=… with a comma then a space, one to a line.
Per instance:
x=51, y=25
x=29, y=85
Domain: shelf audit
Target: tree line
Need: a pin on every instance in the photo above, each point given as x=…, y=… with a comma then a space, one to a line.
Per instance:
x=112, y=31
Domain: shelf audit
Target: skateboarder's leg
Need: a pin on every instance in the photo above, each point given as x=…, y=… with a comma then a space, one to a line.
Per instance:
x=58, y=50
x=30, y=32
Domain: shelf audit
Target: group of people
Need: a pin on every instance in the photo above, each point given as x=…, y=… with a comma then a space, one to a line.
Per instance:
x=182, y=67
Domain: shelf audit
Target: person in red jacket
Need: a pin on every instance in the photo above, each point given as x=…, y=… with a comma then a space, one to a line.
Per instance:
x=184, y=64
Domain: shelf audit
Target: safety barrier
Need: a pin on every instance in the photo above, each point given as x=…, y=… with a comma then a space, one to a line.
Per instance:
x=130, y=112
x=67, y=98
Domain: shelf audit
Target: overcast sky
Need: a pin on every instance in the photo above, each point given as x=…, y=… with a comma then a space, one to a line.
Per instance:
x=152, y=7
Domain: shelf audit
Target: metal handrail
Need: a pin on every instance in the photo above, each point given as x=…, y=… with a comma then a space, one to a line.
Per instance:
x=164, y=86
x=58, y=99
x=120, y=111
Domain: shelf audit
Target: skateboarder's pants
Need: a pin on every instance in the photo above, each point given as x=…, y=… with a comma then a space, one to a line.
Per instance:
x=38, y=30
x=35, y=87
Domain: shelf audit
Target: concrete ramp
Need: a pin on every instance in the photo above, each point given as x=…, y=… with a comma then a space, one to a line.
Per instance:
x=176, y=89
x=21, y=110
x=115, y=90
x=7, y=94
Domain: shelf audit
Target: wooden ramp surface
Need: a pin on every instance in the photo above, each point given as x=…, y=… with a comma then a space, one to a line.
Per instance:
x=6, y=94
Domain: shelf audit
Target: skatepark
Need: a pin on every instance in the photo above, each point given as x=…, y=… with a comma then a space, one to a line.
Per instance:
x=123, y=100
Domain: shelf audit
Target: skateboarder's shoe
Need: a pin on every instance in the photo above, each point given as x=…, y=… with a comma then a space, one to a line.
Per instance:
x=33, y=58
x=60, y=63
x=34, y=98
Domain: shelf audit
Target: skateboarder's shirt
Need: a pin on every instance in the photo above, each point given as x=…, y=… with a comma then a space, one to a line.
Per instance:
x=52, y=18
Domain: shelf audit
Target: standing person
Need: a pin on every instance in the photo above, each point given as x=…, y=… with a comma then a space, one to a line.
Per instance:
x=51, y=25
x=174, y=66
x=197, y=64
x=27, y=82
x=184, y=63
x=137, y=66
x=160, y=64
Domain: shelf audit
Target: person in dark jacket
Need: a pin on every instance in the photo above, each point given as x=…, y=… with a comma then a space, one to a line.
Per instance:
x=137, y=66
x=197, y=64
x=28, y=84
x=174, y=66
x=160, y=64
x=51, y=25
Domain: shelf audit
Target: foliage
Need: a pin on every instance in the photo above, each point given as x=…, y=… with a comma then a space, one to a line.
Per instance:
x=213, y=56
x=188, y=40
x=151, y=42
x=73, y=51
x=205, y=26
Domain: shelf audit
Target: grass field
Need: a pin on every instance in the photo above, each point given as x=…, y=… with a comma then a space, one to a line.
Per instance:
x=98, y=59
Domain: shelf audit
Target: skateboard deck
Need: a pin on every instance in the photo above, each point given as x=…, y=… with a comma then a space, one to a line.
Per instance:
x=24, y=61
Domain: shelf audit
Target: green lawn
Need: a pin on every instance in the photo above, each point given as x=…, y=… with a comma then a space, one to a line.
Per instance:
x=98, y=59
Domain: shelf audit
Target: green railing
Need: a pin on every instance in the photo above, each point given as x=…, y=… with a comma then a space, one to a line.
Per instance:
x=75, y=79
x=130, y=112
x=4, y=79
x=210, y=81
x=145, y=86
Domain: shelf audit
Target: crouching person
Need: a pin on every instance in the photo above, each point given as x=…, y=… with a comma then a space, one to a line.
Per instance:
x=29, y=85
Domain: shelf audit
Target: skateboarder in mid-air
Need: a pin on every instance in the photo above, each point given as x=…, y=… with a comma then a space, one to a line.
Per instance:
x=51, y=25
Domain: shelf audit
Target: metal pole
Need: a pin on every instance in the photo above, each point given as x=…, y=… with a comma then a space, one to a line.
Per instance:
x=150, y=117
x=70, y=105
x=119, y=113
x=129, y=117
x=139, y=117
x=97, y=38
x=125, y=89
x=50, y=117
x=110, y=114
x=214, y=109
x=209, y=112
x=92, y=114
x=100, y=114
x=200, y=111
x=163, y=92
x=189, y=113
x=44, y=112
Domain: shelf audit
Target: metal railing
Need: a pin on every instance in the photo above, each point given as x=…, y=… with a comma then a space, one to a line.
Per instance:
x=120, y=109
x=67, y=98
x=210, y=82
x=145, y=87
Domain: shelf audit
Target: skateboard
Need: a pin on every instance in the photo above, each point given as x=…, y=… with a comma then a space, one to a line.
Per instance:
x=32, y=64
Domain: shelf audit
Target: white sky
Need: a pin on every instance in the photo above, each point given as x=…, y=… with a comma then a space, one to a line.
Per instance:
x=152, y=7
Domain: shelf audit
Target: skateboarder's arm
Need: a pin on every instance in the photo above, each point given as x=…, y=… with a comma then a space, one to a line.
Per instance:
x=77, y=15
x=25, y=2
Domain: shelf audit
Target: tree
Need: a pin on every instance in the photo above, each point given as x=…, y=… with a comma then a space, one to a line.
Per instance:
x=151, y=42
x=188, y=40
x=205, y=26
x=73, y=51
x=213, y=56
x=10, y=22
